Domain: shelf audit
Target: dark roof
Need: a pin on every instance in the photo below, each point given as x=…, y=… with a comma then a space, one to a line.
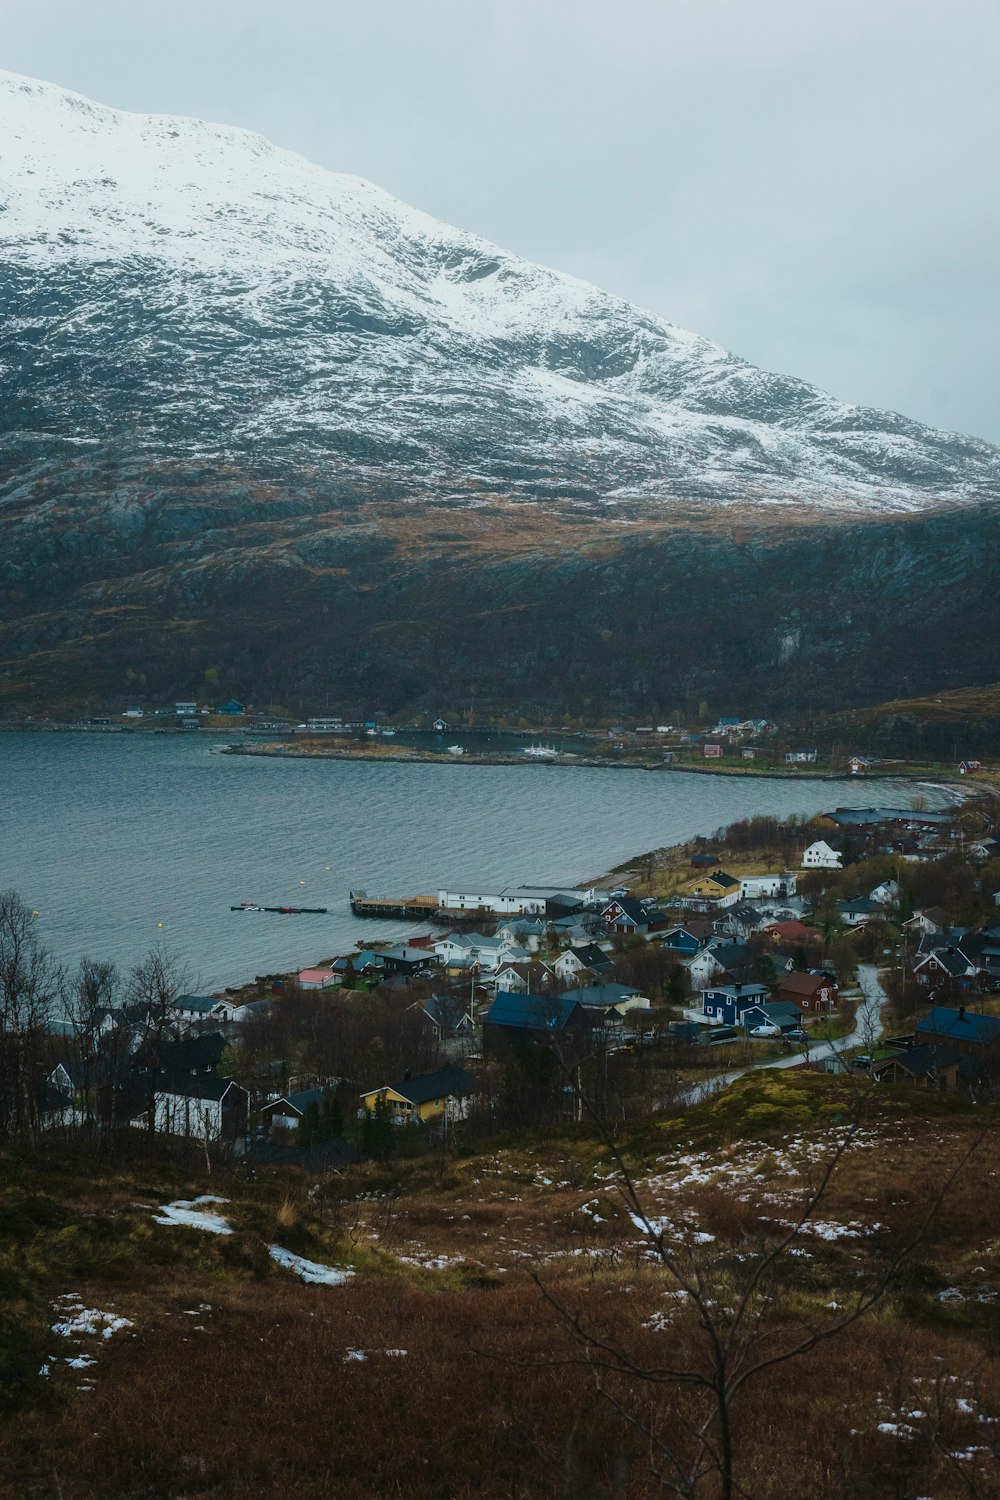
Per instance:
x=960, y=1024
x=781, y=1012
x=83, y=1073
x=530, y=1012
x=446, y=1082
x=863, y=817
x=739, y=991
x=446, y=1011
x=199, y=1088
x=593, y=956
x=631, y=908
x=721, y=878
x=950, y=959
x=860, y=903
x=568, y=902
x=948, y=937
x=201, y=1003
x=732, y=955
x=365, y=959
x=192, y=1053
x=602, y=994
x=920, y=1061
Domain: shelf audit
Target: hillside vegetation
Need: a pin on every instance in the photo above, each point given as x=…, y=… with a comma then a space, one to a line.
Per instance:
x=513, y=1315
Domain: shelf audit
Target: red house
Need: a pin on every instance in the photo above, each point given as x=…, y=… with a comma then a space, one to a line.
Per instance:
x=791, y=932
x=809, y=991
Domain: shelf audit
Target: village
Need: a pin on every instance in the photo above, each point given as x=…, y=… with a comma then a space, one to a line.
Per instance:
x=525, y=1005
x=723, y=745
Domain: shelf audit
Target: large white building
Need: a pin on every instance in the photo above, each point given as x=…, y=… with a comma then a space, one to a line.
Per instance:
x=505, y=903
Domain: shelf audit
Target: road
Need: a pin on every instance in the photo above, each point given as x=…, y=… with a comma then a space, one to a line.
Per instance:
x=867, y=1029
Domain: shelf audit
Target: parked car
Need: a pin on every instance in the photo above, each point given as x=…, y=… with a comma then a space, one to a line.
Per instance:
x=766, y=1030
x=797, y=1034
x=861, y=1063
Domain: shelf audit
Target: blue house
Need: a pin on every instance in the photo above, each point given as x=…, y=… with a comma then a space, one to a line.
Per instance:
x=232, y=707
x=682, y=940
x=974, y=1033
x=727, y=1004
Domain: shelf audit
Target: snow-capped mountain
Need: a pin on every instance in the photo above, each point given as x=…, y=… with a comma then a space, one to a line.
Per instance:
x=205, y=293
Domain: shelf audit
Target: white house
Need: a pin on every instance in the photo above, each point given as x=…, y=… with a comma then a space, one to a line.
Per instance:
x=587, y=959
x=821, y=856
x=885, y=894
x=474, y=947
x=522, y=978
x=527, y=932
x=203, y=1108
x=317, y=979
x=702, y=969
x=928, y=919
x=194, y=1008
x=240, y=1010
x=754, y=886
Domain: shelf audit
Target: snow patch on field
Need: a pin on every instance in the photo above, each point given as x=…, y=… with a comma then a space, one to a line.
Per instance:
x=190, y=1214
x=78, y=1320
x=309, y=1270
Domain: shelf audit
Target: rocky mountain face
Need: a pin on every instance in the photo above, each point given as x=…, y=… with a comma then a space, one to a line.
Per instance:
x=263, y=418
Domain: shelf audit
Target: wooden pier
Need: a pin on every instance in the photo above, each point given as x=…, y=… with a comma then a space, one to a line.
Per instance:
x=418, y=908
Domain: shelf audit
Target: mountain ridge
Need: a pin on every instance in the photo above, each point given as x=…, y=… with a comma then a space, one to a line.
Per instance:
x=267, y=421
x=223, y=296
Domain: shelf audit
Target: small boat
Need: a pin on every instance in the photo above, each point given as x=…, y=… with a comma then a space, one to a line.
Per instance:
x=541, y=752
x=456, y=749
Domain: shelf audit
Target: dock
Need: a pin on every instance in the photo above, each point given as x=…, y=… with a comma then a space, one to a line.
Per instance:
x=418, y=908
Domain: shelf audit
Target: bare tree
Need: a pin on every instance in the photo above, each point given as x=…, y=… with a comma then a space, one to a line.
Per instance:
x=742, y=1324
x=151, y=990
x=31, y=989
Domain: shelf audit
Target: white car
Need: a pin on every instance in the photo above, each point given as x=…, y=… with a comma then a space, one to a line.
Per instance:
x=766, y=1030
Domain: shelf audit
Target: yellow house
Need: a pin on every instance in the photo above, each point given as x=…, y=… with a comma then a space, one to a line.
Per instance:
x=413, y=1101
x=715, y=887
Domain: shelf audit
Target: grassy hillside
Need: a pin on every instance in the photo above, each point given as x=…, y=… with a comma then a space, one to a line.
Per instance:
x=947, y=726
x=537, y=1317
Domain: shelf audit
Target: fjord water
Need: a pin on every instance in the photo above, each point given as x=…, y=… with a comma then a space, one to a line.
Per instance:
x=124, y=841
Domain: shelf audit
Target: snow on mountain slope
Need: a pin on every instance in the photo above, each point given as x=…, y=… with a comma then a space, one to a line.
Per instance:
x=208, y=293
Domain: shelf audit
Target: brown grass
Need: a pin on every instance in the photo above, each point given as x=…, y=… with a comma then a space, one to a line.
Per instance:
x=259, y=1396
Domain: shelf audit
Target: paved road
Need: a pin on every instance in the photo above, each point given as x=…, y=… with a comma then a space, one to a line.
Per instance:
x=867, y=1029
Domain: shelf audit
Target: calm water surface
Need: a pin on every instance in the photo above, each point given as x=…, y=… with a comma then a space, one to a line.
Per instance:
x=110, y=836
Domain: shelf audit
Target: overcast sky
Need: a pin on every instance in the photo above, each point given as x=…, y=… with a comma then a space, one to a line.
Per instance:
x=812, y=184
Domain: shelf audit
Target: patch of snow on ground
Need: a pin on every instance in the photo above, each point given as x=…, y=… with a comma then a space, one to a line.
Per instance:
x=79, y=1320
x=188, y=1212
x=309, y=1270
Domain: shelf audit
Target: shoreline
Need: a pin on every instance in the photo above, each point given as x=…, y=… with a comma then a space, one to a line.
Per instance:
x=279, y=750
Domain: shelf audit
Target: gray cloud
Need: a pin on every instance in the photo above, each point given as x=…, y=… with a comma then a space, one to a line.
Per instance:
x=811, y=185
